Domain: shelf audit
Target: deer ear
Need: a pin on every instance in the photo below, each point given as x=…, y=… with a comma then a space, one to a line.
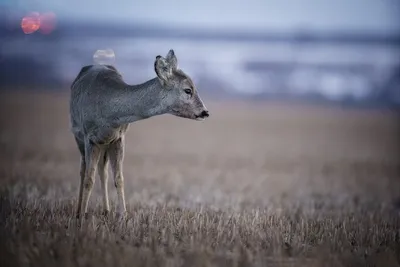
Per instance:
x=172, y=60
x=163, y=69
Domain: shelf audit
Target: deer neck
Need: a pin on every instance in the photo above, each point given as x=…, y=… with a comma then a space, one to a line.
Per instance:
x=141, y=101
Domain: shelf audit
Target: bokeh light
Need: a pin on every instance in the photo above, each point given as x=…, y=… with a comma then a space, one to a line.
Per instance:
x=104, y=56
x=30, y=23
x=44, y=23
x=47, y=22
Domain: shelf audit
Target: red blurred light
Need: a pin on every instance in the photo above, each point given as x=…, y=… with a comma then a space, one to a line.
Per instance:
x=44, y=23
x=30, y=23
x=47, y=22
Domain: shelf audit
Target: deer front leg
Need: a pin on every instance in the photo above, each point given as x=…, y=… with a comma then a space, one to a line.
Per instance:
x=92, y=155
x=103, y=173
x=116, y=154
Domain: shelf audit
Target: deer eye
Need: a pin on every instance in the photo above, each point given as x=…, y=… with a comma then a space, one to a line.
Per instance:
x=188, y=91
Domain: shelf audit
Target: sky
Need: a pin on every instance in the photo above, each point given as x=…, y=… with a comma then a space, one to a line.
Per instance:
x=248, y=15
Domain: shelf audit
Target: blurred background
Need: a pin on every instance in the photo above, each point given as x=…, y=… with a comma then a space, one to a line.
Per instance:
x=340, y=52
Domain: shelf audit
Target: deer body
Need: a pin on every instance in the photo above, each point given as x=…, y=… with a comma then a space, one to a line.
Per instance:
x=102, y=106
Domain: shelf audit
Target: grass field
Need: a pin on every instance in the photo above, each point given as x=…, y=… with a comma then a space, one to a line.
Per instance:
x=254, y=185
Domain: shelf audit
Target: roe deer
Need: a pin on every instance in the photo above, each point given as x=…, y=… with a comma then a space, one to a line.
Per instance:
x=102, y=106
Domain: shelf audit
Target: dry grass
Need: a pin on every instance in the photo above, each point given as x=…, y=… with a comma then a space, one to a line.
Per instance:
x=255, y=185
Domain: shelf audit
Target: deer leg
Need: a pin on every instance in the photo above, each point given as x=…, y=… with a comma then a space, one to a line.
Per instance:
x=103, y=173
x=116, y=154
x=81, y=147
x=92, y=155
x=82, y=175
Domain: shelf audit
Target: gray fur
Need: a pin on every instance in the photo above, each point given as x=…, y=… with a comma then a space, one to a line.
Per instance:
x=102, y=106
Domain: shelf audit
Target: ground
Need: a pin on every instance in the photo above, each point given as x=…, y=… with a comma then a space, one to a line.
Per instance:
x=256, y=184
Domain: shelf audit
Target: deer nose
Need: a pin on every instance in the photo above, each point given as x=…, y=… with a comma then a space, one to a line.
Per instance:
x=204, y=113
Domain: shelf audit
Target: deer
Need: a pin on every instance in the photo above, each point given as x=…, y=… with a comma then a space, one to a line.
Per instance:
x=102, y=107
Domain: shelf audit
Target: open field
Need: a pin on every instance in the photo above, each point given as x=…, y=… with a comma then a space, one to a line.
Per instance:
x=255, y=185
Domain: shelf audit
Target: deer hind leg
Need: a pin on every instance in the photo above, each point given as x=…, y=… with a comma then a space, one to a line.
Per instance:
x=116, y=155
x=103, y=173
x=81, y=147
x=82, y=174
x=92, y=155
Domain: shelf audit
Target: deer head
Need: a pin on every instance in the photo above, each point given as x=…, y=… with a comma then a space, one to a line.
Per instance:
x=180, y=94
